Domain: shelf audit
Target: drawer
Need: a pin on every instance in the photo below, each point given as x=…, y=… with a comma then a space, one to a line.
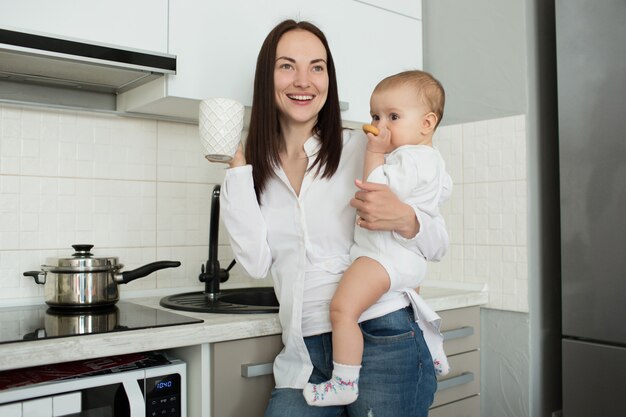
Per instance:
x=241, y=376
x=461, y=330
x=469, y=407
x=462, y=381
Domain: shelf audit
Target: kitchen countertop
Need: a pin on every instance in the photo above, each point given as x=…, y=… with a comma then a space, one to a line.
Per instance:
x=215, y=328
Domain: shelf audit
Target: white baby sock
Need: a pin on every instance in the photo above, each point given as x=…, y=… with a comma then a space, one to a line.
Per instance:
x=341, y=389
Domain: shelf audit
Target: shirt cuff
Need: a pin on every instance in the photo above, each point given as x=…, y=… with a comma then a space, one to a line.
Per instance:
x=239, y=174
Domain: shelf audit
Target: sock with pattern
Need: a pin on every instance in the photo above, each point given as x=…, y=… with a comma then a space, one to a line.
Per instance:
x=341, y=389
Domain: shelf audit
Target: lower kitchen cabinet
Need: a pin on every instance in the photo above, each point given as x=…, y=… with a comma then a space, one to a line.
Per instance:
x=230, y=379
x=458, y=392
x=241, y=372
x=234, y=378
x=469, y=407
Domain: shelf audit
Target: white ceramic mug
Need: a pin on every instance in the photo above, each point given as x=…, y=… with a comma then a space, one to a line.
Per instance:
x=220, y=122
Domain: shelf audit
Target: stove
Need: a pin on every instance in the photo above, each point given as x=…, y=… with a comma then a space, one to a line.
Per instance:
x=18, y=324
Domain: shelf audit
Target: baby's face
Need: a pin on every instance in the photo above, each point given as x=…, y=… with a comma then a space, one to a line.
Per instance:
x=401, y=111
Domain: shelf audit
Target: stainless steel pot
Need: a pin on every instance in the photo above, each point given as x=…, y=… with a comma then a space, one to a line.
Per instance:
x=84, y=281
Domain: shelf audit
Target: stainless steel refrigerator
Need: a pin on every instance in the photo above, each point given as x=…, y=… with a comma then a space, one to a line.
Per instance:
x=591, y=71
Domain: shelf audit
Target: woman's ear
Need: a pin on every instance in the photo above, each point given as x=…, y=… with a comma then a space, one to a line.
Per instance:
x=429, y=121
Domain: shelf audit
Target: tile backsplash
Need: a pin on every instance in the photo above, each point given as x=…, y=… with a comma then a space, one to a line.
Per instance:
x=137, y=189
x=140, y=190
x=487, y=215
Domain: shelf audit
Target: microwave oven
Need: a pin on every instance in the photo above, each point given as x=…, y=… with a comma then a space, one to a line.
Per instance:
x=143, y=388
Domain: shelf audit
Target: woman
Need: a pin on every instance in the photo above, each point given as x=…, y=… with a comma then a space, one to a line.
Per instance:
x=287, y=206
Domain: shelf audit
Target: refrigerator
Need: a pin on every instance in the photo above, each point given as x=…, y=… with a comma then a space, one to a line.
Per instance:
x=591, y=82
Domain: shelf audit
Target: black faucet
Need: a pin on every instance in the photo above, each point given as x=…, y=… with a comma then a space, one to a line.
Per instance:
x=211, y=273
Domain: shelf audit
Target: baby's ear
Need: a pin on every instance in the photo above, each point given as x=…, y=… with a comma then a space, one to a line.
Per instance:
x=429, y=121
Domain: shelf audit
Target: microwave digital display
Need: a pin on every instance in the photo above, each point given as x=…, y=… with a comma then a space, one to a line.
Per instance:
x=163, y=385
x=163, y=395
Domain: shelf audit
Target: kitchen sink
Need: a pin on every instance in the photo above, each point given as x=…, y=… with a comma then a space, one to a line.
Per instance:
x=252, y=300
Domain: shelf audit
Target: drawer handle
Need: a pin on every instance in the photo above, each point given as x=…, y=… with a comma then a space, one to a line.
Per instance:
x=458, y=333
x=252, y=370
x=464, y=378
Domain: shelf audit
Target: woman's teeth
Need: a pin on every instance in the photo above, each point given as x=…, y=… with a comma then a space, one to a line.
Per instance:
x=300, y=98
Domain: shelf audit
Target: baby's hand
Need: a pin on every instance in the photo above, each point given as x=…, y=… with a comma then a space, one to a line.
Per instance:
x=378, y=139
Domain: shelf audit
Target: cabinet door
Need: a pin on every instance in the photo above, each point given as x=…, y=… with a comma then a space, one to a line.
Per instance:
x=368, y=44
x=217, y=46
x=461, y=330
x=462, y=381
x=469, y=407
x=411, y=8
x=137, y=24
x=241, y=376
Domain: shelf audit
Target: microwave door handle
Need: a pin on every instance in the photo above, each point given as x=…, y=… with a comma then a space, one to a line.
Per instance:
x=135, y=398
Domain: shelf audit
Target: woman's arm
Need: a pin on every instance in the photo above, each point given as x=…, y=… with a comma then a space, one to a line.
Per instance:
x=241, y=214
x=380, y=209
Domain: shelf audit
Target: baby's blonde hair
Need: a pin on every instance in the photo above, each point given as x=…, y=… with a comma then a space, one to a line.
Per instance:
x=428, y=87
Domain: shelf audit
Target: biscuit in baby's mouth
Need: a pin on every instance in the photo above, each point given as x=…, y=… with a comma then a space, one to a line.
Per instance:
x=371, y=129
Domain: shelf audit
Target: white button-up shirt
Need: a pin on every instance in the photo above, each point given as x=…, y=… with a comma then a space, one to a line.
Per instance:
x=305, y=238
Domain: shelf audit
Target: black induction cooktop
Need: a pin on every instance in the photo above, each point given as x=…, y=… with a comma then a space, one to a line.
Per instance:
x=38, y=322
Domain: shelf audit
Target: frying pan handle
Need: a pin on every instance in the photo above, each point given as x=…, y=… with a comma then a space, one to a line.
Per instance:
x=142, y=271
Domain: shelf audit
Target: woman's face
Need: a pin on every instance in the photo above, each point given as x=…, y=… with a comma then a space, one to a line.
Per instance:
x=300, y=77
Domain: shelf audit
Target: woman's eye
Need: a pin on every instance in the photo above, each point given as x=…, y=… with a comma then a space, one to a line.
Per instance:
x=285, y=66
x=318, y=68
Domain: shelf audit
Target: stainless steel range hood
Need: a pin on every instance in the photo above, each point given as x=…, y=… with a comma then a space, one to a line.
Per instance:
x=29, y=59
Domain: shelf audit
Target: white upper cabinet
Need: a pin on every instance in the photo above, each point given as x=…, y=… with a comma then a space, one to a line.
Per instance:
x=410, y=8
x=136, y=24
x=368, y=43
x=216, y=48
x=216, y=44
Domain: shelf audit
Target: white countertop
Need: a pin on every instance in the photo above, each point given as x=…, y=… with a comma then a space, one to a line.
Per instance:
x=215, y=328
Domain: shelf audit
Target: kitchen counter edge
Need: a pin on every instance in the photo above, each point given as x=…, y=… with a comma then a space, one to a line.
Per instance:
x=214, y=328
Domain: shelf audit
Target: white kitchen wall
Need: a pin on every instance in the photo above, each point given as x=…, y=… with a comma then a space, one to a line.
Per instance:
x=137, y=189
x=486, y=217
x=140, y=190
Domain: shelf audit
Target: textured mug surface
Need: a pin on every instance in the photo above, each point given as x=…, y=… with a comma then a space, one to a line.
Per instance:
x=220, y=122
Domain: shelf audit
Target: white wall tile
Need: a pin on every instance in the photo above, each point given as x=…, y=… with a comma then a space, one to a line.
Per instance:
x=181, y=156
x=487, y=215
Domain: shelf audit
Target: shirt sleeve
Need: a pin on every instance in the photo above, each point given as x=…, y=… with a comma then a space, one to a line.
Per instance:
x=430, y=187
x=431, y=241
x=242, y=217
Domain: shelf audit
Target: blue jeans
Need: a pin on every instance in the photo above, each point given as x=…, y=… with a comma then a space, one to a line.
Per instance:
x=397, y=377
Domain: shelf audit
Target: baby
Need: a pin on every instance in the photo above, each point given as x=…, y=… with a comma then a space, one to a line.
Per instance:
x=406, y=108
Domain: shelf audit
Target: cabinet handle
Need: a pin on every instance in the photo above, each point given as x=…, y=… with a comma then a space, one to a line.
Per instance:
x=464, y=378
x=344, y=105
x=251, y=370
x=458, y=333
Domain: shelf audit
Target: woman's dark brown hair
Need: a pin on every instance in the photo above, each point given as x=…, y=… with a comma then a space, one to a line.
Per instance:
x=265, y=140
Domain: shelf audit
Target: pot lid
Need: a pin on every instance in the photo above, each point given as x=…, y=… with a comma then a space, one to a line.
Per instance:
x=82, y=260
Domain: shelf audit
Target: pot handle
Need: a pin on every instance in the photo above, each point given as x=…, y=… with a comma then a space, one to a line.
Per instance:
x=142, y=271
x=36, y=275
